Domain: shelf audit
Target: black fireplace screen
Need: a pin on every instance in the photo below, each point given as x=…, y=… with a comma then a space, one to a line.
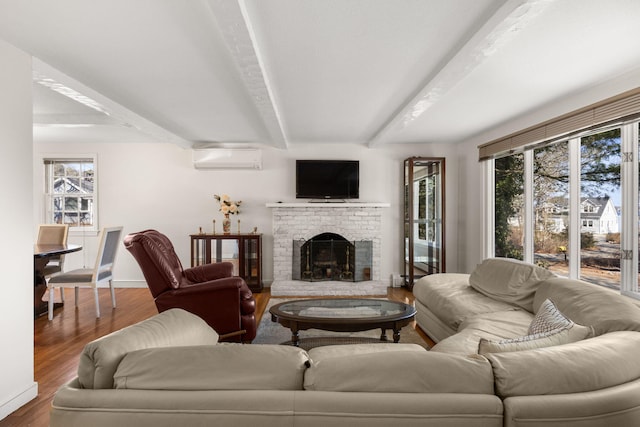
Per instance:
x=329, y=256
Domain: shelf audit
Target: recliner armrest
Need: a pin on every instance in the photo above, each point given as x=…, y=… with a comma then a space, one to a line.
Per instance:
x=222, y=303
x=235, y=283
x=206, y=272
x=247, y=304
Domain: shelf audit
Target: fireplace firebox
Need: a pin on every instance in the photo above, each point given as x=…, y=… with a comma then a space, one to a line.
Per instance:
x=330, y=256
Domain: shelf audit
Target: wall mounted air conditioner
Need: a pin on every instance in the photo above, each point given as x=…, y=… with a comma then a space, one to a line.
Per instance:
x=227, y=158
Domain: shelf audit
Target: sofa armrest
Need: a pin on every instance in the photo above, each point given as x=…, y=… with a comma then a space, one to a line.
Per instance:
x=100, y=358
x=588, y=365
x=229, y=284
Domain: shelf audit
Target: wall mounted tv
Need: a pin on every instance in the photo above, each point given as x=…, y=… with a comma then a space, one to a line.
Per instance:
x=327, y=179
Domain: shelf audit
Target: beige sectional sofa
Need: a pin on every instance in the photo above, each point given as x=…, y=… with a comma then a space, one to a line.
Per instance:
x=591, y=380
x=170, y=370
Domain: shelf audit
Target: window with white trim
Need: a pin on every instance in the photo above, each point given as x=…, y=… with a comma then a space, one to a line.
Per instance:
x=71, y=192
x=576, y=192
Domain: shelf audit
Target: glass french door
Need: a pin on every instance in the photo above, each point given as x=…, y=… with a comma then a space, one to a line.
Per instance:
x=424, y=251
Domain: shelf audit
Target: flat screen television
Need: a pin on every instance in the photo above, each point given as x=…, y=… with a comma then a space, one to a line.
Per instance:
x=327, y=179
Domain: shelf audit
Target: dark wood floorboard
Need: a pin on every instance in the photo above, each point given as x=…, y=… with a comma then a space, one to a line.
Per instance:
x=58, y=343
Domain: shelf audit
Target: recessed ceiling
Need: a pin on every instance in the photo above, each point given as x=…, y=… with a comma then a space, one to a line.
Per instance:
x=286, y=72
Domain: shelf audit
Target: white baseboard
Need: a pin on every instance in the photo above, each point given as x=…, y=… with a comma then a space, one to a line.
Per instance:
x=19, y=400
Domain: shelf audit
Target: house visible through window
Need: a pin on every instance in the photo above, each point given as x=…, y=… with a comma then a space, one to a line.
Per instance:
x=71, y=193
x=575, y=197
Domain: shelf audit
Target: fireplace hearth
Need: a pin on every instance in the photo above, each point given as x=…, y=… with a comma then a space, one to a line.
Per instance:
x=331, y=257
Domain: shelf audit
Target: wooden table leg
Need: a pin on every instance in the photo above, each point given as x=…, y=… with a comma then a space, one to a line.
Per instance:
x=40, y=287
x=295, y=337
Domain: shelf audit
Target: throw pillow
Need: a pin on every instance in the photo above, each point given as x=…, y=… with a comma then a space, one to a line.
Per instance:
x=547, y=319
x=560, y=336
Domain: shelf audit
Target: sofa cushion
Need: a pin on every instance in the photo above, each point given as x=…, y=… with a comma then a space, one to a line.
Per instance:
x=217, y=367
x=564, y=335
x=508, y=280
x=329, y=351
x=547, y=319
x=400, y=372
x=175, y=327
x=588, y=304
x=591, y=364
x=496, y=326
x=452, y=300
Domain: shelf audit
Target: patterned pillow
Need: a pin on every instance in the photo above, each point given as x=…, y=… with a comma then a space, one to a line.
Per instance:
x=560, y=336
x=548, y=319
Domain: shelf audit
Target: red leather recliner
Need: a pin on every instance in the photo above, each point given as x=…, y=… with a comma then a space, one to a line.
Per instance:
x=210, y=291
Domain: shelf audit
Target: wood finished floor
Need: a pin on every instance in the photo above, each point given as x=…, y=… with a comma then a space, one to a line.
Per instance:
x=58, y=343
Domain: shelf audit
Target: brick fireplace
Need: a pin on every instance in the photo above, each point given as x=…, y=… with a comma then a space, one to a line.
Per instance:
x=330, y=256
x=302, y=221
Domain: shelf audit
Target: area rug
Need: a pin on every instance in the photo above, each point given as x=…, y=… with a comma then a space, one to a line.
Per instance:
x=270, y=332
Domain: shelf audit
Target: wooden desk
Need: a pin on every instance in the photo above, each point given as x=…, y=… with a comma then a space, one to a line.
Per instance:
x=41, y=256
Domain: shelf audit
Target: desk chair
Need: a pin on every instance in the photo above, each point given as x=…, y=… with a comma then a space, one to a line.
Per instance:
x=101, y=273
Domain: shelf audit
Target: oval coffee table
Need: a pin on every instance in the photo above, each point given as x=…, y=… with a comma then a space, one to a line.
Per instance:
x=343, y=315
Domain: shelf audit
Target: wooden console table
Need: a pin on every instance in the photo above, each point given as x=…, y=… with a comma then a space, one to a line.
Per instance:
x=244, y=251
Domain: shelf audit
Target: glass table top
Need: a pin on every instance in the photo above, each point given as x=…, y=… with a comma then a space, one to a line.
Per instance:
x=341, y=308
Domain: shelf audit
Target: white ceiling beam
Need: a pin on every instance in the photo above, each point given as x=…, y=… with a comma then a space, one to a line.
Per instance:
x=61, y=119
x=235, y=26
x=55, y=80
x=495, y=32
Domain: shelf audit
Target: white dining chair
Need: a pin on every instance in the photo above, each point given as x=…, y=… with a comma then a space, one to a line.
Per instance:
x=53, y=234
x=101, y=273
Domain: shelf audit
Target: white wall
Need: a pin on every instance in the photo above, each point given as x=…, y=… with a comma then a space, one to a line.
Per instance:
x=469, y=219
x=144, y=185
x=16, y=252
x=470, y=190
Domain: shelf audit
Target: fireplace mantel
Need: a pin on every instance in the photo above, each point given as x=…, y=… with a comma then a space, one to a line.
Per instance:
x=328, y=205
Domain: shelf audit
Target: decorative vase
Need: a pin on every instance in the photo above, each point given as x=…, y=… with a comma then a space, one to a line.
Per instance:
x=226, y=224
